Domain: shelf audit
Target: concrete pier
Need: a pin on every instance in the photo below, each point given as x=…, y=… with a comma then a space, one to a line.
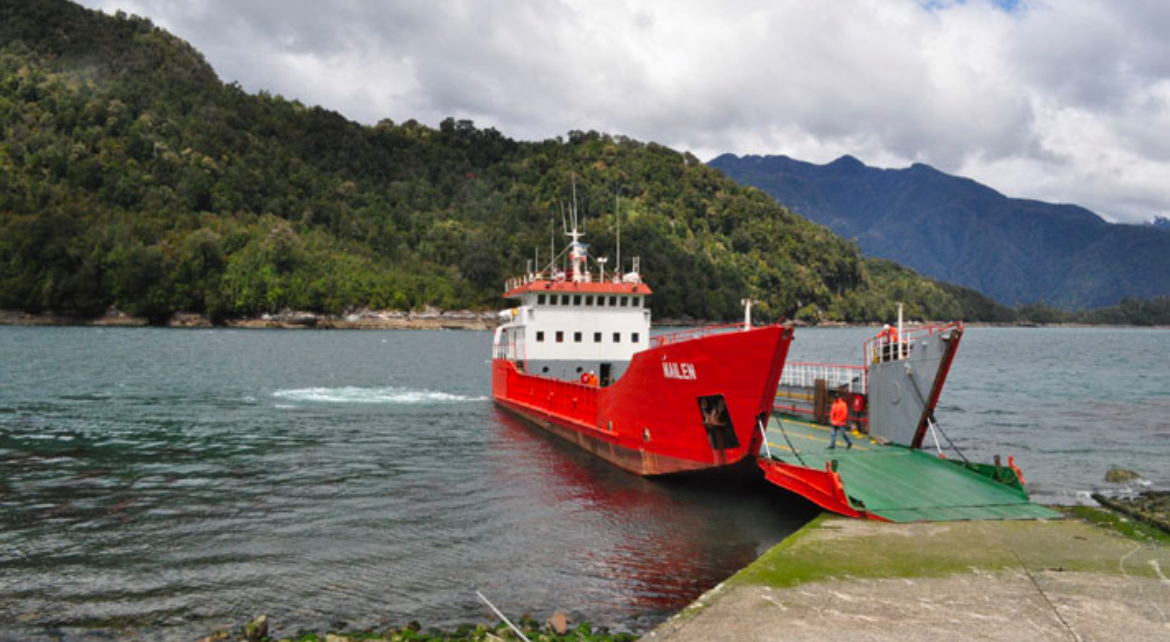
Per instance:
x=840, y=579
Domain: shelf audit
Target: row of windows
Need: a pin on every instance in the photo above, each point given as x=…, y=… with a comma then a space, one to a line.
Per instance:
x=588, y=299
x=579, y=336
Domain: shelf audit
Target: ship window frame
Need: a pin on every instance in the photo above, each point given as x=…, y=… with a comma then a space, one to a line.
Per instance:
x=636, y=302
x=540, y=336
x=625, y=302
x=596, y=337
x=540, y=299
x=577, y=336
x=576, y=299
x=617, y=337
x=560, y=336
x=601, y=300
x=613, y=301
x=588, y=299
x=633, y=337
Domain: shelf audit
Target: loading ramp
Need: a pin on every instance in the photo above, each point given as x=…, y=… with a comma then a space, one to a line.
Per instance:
x=889, y=482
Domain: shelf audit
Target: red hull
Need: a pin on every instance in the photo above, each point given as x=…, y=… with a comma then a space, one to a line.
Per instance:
x=649, y=421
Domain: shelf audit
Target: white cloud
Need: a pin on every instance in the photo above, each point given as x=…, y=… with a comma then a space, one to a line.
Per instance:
x=1068, y=101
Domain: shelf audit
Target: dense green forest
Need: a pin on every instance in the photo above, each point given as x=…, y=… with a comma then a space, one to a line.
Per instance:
x=132, y=178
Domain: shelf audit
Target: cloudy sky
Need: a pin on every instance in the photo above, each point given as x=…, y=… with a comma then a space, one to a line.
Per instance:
x=1065, y=100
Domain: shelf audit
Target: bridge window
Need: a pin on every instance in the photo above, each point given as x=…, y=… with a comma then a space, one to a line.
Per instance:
x=596, y=337
x=540, y=336
x=617, y=337
x=577, y=299
x=636, y=302
x=634, y=337
x=613, y=301
x=576, y=337
x=589, y=300
x=601, y=301
x=560, y=336
x=540, y=299
x=625, y=301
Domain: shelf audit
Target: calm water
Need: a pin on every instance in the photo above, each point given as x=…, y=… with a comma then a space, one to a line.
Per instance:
x=163, y=483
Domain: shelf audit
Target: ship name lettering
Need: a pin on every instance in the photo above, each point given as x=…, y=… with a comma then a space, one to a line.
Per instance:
x=672, y=370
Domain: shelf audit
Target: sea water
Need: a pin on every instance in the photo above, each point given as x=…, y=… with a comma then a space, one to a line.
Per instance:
x=162, y=484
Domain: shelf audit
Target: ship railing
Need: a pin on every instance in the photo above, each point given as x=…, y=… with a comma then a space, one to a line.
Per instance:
x=692, y=334
x=836, y=376
x=881, y=348
x=570, y=399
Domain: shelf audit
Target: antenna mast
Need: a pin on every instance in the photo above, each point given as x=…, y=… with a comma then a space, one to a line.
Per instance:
x=617, y=206
x=577, y=252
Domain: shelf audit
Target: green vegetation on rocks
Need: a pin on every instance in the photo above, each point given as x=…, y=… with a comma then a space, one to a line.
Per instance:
x=414, y=632
x=132, y=178
x=1120, y=475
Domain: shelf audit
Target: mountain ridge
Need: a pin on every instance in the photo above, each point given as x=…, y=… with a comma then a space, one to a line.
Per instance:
x=955, y=229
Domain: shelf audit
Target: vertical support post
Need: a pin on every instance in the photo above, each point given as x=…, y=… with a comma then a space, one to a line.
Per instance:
x=898, y=347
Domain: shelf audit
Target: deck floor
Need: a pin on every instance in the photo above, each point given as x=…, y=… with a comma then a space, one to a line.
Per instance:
x=897, y=483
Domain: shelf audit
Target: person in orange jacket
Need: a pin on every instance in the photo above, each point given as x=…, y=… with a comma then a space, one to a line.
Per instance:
x=838, y=417
x=888, y=339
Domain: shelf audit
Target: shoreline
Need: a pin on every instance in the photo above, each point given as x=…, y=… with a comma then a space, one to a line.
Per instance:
x=1092, y=574
x=426, y=319
x=429, y=319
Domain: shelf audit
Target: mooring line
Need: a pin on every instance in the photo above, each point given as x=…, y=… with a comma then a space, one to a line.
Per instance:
x=503, y=617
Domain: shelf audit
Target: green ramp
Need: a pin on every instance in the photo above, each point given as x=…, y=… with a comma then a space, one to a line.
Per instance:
x=901, y=484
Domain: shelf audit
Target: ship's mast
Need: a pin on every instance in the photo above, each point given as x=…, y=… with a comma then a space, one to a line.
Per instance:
x=618, y=214
x=577, y=251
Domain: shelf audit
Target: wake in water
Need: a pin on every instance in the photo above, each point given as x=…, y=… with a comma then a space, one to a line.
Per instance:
x=388, y=395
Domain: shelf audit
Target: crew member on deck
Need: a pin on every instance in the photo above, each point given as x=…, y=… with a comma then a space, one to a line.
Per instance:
x=857, y=412
x=888, y=340
x=839, y=417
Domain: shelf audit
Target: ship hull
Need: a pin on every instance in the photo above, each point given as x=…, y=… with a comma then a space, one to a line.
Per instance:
x=681, y=406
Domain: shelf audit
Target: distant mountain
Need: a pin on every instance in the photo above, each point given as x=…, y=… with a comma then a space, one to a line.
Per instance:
x=1017, y=251
x=1161, y=222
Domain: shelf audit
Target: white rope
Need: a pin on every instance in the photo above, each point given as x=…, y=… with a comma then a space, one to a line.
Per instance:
x=502, y=616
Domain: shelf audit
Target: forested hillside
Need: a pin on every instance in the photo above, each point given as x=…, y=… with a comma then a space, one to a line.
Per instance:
x=133, y=178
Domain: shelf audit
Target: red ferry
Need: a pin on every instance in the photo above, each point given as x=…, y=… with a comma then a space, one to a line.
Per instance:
x=575, y=357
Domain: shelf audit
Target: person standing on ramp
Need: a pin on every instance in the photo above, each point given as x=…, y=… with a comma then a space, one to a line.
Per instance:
x=839, y=418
